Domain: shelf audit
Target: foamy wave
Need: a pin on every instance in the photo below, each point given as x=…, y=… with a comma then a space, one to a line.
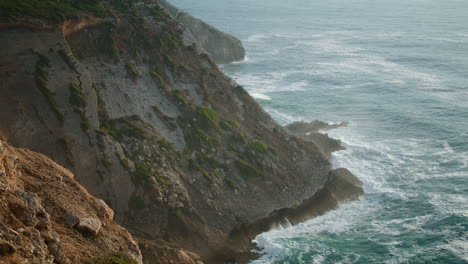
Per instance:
x=255, y=37
x=260, y=96
x=458, y=247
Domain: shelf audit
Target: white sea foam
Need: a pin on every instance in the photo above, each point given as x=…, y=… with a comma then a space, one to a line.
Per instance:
x=255, y=37
x=260, y=96
x=458, y=247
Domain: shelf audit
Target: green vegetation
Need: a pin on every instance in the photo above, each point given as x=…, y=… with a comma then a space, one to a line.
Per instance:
x=198, y=136
x=169, y=42
x=116, y=258
x=68, y=58
x=134, y=131
x=170, y=62
x=84, y=120
x=132, y=71
x=157, y=75
x=144, y=172
x=162, y=180
x=205, y=71
x=179, y=98
x=76, y=96
x=233, y=147
x=117, y=128
x=239, y=138
x=124, y=162
x=229, y=125
x=207, y=118
x=194, y=166
x=41, y=76
x=247, y=170
x=211, y=162
x=136, y=203
x=102, y=114
x=109, y=131
x=54, y=10
x=258, y=147
x=230, y=183
x=165, y=145
x=207, y=176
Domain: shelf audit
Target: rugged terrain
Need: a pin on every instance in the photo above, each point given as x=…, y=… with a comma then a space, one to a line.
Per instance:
x=47, y=217
x=121, y=94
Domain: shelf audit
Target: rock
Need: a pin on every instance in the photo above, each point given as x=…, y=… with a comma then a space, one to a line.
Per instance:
x=105, y=211
x=90, y=226
x=43, y=220
x=71, y=219
x=301, y=127
x=50, y=236
x=222, y=47
x=6, y=249
x=344, y=185
x=22, y=210
x=59, y=257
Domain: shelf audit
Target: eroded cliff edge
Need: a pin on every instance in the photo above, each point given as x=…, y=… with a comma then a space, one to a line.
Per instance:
x=221, y=46
x=149, y=124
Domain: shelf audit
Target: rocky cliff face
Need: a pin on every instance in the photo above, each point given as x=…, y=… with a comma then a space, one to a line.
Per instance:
x=222, y=47
x=147, y=122
x=47, y=217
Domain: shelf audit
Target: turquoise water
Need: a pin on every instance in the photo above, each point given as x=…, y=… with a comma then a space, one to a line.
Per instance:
x=398, y=72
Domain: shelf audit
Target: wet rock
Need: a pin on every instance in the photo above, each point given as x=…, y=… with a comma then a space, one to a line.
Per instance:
x=344, y=185
x=90, y=226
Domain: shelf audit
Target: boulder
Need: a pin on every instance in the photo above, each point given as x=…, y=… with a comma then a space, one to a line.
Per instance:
x=90, y=226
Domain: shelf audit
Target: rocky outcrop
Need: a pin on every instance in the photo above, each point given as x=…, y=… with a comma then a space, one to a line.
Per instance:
x=312, y=132
x=35, y=194
x=222, y=47
x=149, y=124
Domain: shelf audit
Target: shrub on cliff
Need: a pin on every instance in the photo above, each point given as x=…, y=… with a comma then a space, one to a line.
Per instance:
x=52, y=9
x=207, y=118
x=258, y=147
x=247, y=170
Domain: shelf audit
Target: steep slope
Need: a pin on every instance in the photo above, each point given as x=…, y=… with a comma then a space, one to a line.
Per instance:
x=147, y=122
x=222, y=47
x=47, y=217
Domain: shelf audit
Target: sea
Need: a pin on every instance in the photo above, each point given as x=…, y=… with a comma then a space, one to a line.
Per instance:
x=397, y=71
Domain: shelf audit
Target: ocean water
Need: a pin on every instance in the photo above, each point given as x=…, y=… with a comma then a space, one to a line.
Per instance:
x=397, y=70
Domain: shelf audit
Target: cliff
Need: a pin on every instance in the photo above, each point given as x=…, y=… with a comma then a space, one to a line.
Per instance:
x=113, y=91
x=222, y=47
x=47, y=217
